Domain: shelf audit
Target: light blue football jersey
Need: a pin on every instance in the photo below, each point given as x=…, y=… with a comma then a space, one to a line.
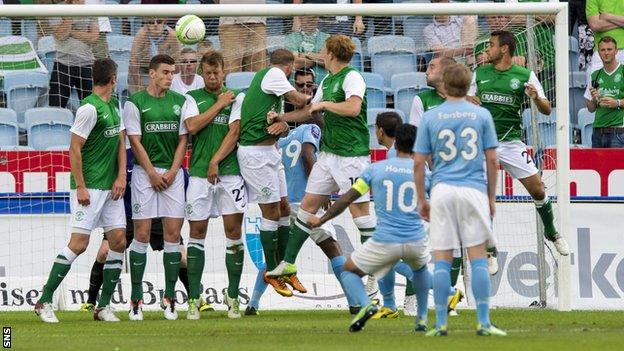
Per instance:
x=456, y=134
x=291, y=148
x=392, y=184
x=392, y=153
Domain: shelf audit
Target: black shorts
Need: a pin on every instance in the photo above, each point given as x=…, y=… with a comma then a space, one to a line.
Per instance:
x=157, y=239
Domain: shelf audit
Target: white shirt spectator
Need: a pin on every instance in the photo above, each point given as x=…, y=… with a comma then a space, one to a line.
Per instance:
x=444, y=35
x=178, y=85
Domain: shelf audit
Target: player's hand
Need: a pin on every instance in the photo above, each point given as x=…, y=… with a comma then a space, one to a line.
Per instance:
x=169, y=177
x=473, y=99
x=226, y=99
x=608, y=102
x=358, y=25
x=83, y=196
x=314, y=222
x=326, y=205
x=213, y=173
x=157, y=181
x=530, y=90
x=278, y=128
x=594, y=94
x=317, y=107
x=272, y=117
x=492, y=208
x=423, y=210
x=518, y=60
x=119, y=187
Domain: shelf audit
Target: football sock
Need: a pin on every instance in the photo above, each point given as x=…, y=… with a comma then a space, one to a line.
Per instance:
x=481, y=290
x=61, y=266
x=455, y=267
x=545, y=211
x=138, y=259
x=441, y=285
x=299, y=233
x=234, y=257
x=366, y=225
x=405, y=270
x=386, y=287
x=183, y=276
x=259, y=288
x=95, y=281
x=353, y=285
x=283, y=233
x=420, y=282
x=171, y=261
x=268, y=238
x=195, y=260
x=110, y=275
x=337, y=263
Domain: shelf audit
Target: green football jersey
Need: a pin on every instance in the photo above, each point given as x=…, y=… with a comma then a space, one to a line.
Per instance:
x=502, y=93
x=254, y=111
x=160, y=125
x=99, y=153
x=208, y=140
x=430, y=99
x=343, y=136
x=609, y=85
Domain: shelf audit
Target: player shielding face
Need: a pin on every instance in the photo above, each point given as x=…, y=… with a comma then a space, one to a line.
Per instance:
x=98, y=180
x=216, y=188
x=500, y=87
x=158, y=140
x=459, y=137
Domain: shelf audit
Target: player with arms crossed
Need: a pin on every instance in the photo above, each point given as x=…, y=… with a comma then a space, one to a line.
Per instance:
x=216, y=188
x=459, y=137
x=400, y=234
x=344, y=147
x=158, y=142
x=98, y=179
x=260, y=161
x=500, y=87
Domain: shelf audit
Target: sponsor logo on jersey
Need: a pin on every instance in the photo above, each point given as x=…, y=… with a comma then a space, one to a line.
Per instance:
x=158, y=127
x=609, y=92
x=145, y=110
x=220, y=119
x=316, y=132
x=484, y=81
x=514, y=83
x=497, y=98
x=177, y=109
x=105, y=116
x=112, y=132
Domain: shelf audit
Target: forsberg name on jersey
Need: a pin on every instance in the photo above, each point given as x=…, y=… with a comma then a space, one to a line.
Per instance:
x=395, y=169
x=112, y=132
x=497, y=98
x=457, y=114
x=158, y=127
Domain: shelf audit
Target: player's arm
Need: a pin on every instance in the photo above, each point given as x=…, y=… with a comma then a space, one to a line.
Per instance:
x=178, y=158
x=591, y=98
x=308, y=156
x=119, y=186
x=536, y=92
x=275, y=82
x=416, y=112
x=229, y=142
x=419, y=180
x=201, y=120
x=491, y=162
x=614, y=19
x=86, y=118
x=359, y=188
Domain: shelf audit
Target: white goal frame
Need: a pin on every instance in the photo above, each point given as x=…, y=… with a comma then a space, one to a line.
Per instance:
x=561, y=44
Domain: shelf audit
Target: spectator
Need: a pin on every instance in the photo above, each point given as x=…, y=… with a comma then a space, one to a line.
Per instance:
x=308, y=46
x=576, y=15
x=72, y=67
x=304, y=83
x=451, y=36
x=381, y=25
x=187, y=78
x=605, y=18
x=204, y=47
x=152, y=39
x=100, y=47
x=335, y=24
x=243, y=40
x=605, y=95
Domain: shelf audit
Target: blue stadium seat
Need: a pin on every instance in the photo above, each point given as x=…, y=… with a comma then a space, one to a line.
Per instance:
x=216, y=44
x=357, y=61
x=239, y=80
x=573, y=54
x=115, y=23
x=405, y=86
x=585, y=123
x=576, y=100
x=119, y=47
x=9, y=129
x=375, y=94
x=391, y=54
x=46, y=49
x=547, y=128
x=371, y=117
x=48, y=128
x=22, y=89
x=122, y=89
x=29, y=29
x=5, y=27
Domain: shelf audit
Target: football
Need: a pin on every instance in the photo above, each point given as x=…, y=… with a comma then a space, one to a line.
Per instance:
x=190, y=29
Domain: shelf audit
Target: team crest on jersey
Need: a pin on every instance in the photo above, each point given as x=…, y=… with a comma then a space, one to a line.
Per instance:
x=79, y=216
x=617, y=78
x=600, y=81
x=336, y=87
x=514, y=83
x=177, y=109
x=136, y=208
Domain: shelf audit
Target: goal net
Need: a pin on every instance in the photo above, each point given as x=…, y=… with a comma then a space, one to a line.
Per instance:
x=45, y=71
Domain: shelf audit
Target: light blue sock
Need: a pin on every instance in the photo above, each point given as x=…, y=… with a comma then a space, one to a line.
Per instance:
x=337, y=263
x=403, y=269
x=451, y=290
x=259, y=288
x=441, y=285
x=386, y=288
x=420, y=282
x=481, y=290
x=353, y=285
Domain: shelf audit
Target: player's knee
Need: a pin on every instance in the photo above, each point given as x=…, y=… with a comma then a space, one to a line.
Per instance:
x=365, y=222
x=284, y=208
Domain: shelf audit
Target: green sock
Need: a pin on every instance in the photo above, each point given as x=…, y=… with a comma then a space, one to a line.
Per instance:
x=110, y=276
x=195, y=260
x=171, y=261
x=457, y=262
x=299, y=233
x=545, y=212
x=283, y=233
x=61, y=266
x=409, y=289
x=138, y=261
x=234, y=257
x=268, y=238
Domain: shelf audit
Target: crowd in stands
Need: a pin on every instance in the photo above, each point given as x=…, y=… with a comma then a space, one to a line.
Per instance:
x=246, y=41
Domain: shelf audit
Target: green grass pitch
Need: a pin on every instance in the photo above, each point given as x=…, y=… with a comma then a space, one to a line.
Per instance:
x=529, y=330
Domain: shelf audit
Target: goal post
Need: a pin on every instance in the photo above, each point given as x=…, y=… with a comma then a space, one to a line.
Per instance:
x=558, y=81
